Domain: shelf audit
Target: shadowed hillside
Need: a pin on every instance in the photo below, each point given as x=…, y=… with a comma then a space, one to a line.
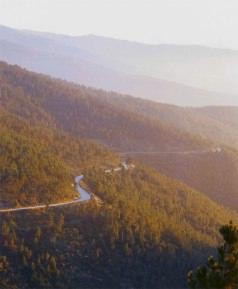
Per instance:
x=81, y=112
x=213, y=173
x=127, y=124
x=147, y=229
x=217, y=123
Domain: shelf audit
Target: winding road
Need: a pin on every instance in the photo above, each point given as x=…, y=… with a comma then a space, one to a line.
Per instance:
x=196, y=152
x=83, y=197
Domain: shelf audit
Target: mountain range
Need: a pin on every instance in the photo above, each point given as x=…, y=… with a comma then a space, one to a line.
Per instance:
x=50, y=131
x=155, y=220
x=163, y=73
x=177, y=141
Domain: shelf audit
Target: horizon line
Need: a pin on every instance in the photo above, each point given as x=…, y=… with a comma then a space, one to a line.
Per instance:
x=28, y=30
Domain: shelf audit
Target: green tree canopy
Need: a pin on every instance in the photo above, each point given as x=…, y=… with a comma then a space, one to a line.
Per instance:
x=220, y=273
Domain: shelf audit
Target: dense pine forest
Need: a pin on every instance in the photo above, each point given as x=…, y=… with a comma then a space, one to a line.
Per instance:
x=147, y=231
x=33, y=166
x=82, y=112
x=128, y=124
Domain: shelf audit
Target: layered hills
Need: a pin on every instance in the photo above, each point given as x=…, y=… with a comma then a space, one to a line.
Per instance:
x=183, y=141
x=163, y=73
x=83, y=112
x=217, y=123
x=149, y=229
x=212, y=171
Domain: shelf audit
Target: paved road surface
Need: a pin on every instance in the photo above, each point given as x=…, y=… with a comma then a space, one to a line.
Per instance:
x=215, y=150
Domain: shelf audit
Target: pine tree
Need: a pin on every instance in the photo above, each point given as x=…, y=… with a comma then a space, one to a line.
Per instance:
x=220, y=273
x=52, y=267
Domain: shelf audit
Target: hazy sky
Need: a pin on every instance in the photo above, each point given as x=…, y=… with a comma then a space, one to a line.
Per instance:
x=209, y=22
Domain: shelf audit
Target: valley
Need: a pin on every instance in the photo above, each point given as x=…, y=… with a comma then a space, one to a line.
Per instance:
x=119, y=123
x=118, y=144
x=166, y=185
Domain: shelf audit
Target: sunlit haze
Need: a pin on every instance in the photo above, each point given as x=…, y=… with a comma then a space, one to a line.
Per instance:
x=205, y=22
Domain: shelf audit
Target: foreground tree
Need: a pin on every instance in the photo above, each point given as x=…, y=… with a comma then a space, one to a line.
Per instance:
x=220, y=273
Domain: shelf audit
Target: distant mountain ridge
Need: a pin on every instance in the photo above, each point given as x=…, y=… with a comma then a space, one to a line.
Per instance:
x=123, y=123
x=148, y=225
x=217, y=123
x=116, y=65
x=207, y=68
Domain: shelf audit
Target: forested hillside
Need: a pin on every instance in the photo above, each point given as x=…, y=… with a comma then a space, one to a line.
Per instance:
x=29, y=172
x=147, y=231
x=38, y=165
x=213, y=171
x=81, y=112
x=128, y=124
x=218, y=123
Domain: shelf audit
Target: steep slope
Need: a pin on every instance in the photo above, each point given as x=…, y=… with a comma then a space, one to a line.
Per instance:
x=129, y=125
x=219, y=124
x=38, y=165
x=214, y=171
x=26, y=176
x=81, y=112
x=77, y=59
x=226, y=115
x=148, y=231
